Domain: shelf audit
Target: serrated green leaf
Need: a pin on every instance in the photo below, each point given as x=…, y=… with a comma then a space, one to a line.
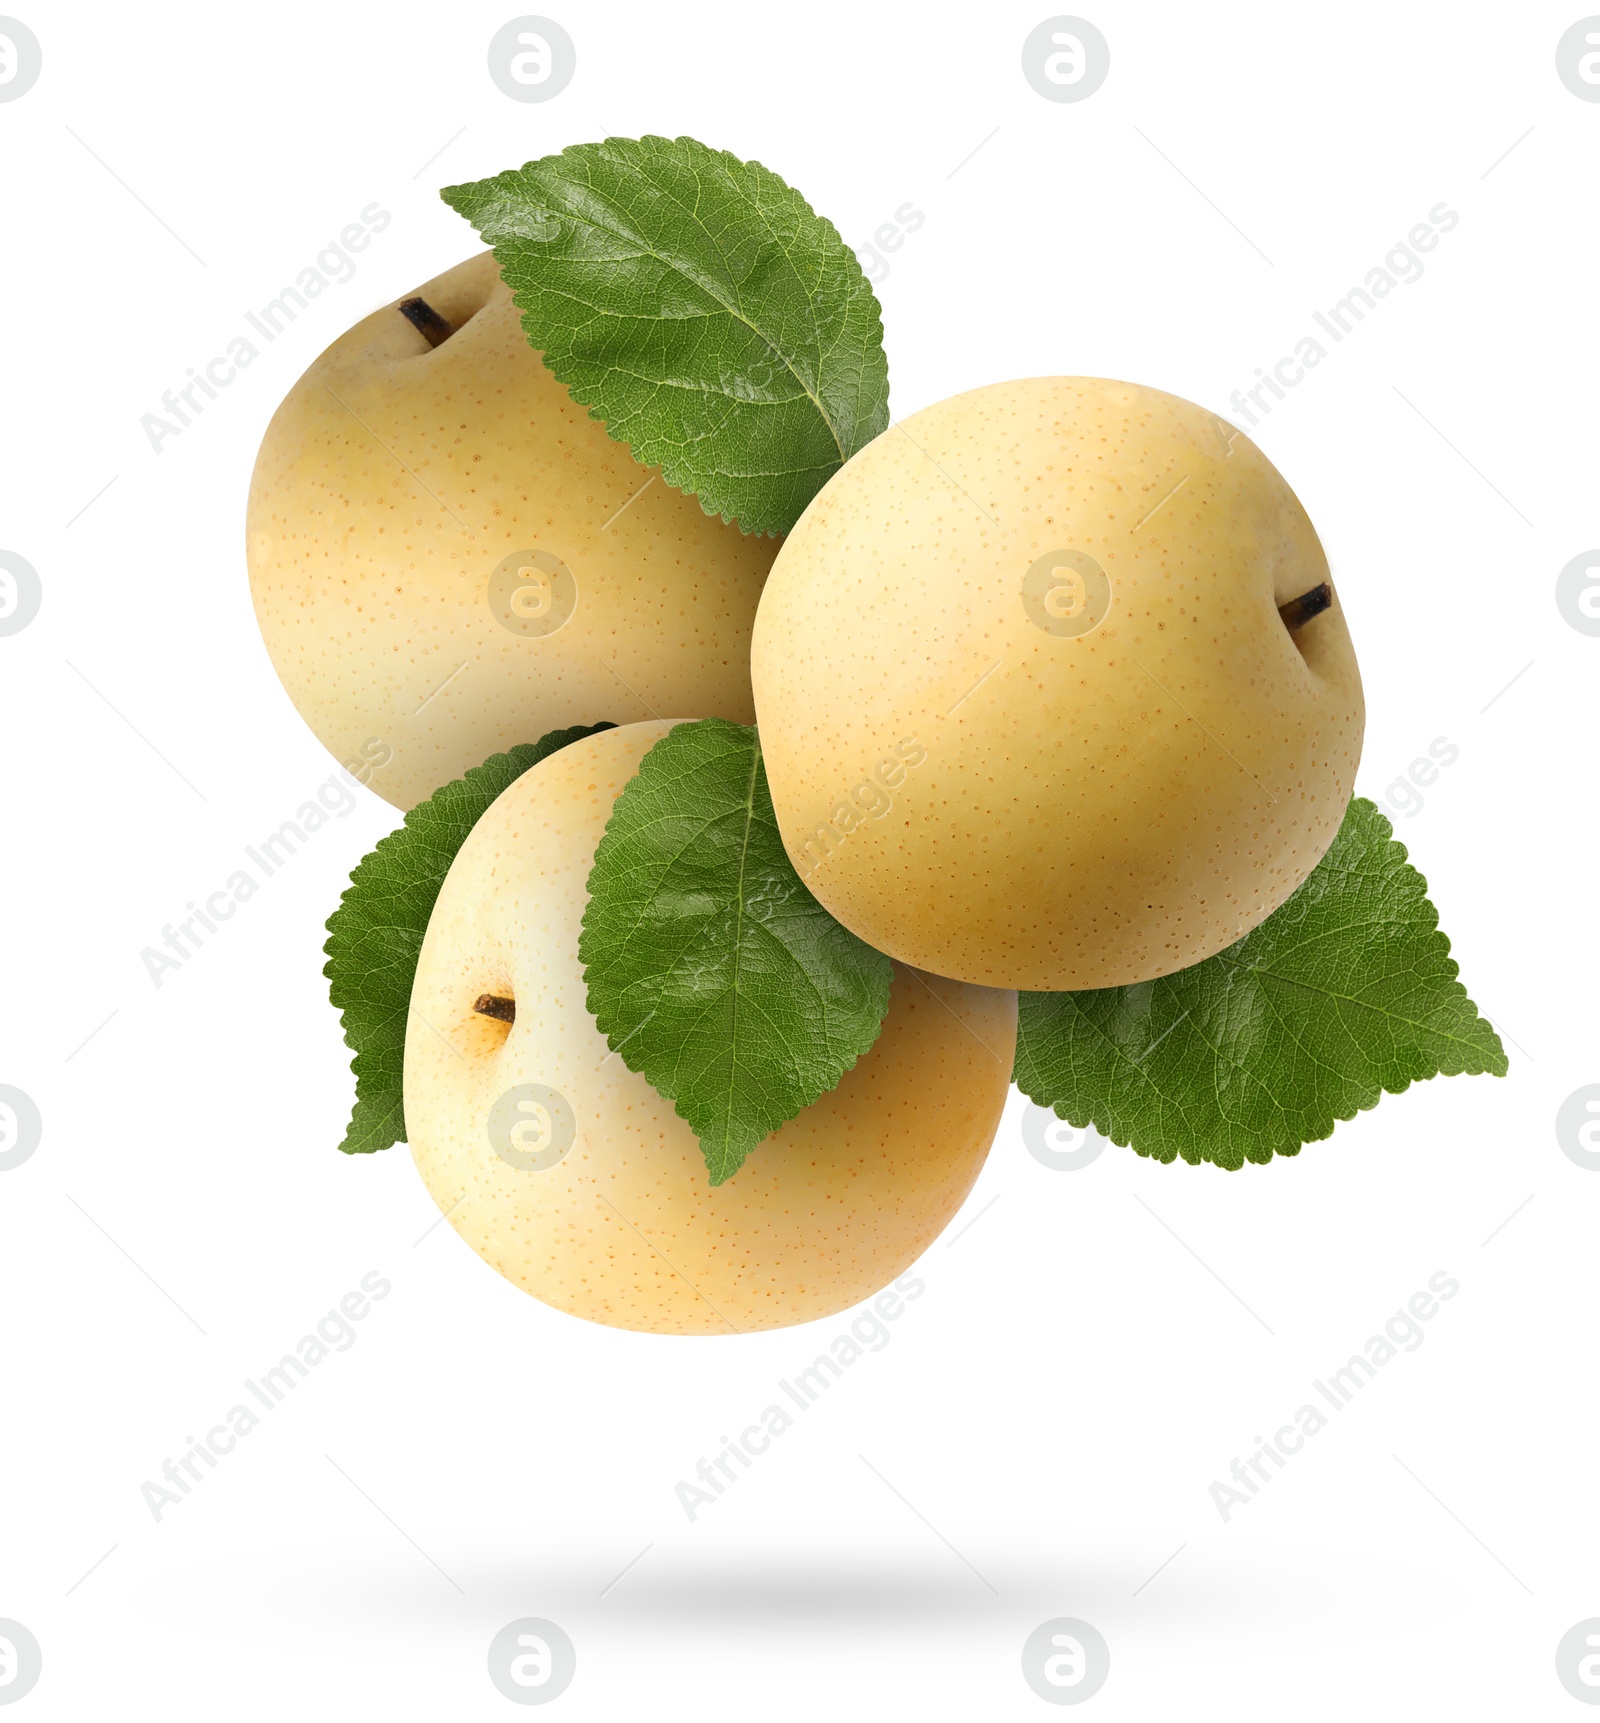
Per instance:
x=375, y=935
x=711, y=969
x=1344, y=993
x=701, y=308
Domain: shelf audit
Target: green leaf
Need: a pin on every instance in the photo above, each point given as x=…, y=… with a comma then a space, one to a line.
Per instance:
x=711, y=969
x=700, y=308
x=375, y=935
x=1344, y=993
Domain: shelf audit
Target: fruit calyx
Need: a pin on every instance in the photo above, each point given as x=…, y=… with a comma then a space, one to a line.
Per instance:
x=496, y=1005
x=422, y=316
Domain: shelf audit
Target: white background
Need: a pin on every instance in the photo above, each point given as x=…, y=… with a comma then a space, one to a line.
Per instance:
x=1099, y=1345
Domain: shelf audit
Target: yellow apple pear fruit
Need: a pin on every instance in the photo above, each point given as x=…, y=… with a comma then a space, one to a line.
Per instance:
x=572, y=1177
x=1054, y=689
x=448, y=556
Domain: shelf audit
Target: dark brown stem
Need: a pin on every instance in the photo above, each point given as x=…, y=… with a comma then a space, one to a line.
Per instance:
x=1299, y=611
x=496, y=1005
x=422, y=316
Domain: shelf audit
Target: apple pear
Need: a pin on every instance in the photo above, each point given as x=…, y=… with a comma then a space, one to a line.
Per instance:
x=1054, y=688
x=448, y=556
x=570, y=1175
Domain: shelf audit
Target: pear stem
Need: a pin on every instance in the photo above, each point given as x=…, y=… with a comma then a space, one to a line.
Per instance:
x=418, y=312
x=496, y=1005
x=1299, y=611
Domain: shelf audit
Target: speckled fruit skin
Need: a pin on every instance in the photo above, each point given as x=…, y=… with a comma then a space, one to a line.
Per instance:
x=391, y=482
x=626, y=1229
x=1093, y=810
